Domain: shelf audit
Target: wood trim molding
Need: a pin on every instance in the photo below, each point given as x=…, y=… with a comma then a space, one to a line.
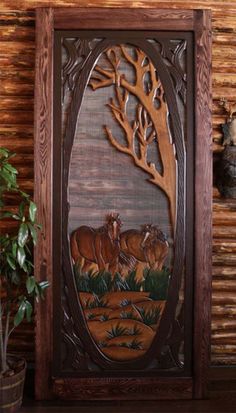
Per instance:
x=132, y=19
x=203, y=202
x=43, y=193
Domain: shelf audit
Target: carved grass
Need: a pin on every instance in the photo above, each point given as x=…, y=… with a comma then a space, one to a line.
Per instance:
x=149, y=316
x=155, y=282
x=117, y=331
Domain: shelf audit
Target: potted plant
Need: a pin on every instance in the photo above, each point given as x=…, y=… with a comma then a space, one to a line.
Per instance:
x=18, y=287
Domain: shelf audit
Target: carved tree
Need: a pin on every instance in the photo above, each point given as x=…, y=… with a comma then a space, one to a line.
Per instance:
x=151, y=117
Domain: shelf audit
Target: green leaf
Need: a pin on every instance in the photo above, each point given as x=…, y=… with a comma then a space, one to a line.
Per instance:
x=32, y=211
x=10, y=168
x=21, y=209
x=4, y=152
x=15, y=216
x=24, y=194
x=30, y=284
x=6, y=214
x=23, y=234
x=15, y=278
x=39, y=289
x=11, y=262
x=44, y=284
x=14, y=248
x=29, y=310
x=20, y=313
x=21, y=256
x=25, y=268
x=33, y=233
x=8, y=177
x=30, y=264
x=4, y=240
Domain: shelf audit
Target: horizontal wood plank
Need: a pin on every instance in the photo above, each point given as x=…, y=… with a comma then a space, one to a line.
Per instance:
x=66, y=18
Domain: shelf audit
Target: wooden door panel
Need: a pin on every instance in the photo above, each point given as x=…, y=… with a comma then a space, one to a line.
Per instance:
x=123, y=222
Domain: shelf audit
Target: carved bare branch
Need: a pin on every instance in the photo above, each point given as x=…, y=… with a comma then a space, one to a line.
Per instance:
x=96, y=82
x=140, y=127
x=151, y=121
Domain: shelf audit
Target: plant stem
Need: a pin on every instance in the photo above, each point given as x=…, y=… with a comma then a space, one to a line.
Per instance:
x=3, y=361
x=6, y=336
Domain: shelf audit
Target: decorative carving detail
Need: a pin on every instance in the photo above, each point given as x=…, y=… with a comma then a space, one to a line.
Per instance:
x=175, y=339
x=78, y=51
x=76, y=357
x=122, y=388
x=172, y=53
x=151, y=122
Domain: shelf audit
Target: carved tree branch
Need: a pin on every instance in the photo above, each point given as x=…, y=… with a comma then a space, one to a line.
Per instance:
x=96, y=82
x=149, y=116
x=140, y=127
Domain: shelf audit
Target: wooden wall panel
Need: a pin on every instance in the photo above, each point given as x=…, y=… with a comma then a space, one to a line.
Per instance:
x=17, y=55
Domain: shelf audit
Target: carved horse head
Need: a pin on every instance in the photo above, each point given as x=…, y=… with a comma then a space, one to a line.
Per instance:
x=146, y=231
x=113, y=225
x=152, y=233
x=159, y=234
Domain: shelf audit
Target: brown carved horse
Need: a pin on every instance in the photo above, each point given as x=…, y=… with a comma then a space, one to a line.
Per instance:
x=146, y=245
x=97, y=245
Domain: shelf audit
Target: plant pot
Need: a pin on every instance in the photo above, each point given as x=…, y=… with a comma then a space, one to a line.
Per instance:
x=11, y=389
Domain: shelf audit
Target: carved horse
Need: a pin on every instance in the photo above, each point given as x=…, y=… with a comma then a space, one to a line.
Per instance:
x=148, y=245
x=156, y=248
x=97, y=245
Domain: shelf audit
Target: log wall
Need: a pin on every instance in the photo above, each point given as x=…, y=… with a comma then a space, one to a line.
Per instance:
x=17, y=54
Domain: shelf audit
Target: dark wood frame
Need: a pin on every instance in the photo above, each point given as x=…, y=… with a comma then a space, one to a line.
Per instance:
x=197, y=21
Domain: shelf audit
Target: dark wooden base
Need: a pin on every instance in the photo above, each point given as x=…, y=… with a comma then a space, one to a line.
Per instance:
x=131, y=388
x=222, y=399
x=186, y=406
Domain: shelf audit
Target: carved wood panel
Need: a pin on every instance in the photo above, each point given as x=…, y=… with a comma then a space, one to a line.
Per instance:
x=129, y=320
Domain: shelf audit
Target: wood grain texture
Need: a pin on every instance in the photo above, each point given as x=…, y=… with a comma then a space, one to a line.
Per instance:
x=123, y=388
x=17, y=21
x=31, y=4
x=203, y=200
x=43, y=194
x=151, y=19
